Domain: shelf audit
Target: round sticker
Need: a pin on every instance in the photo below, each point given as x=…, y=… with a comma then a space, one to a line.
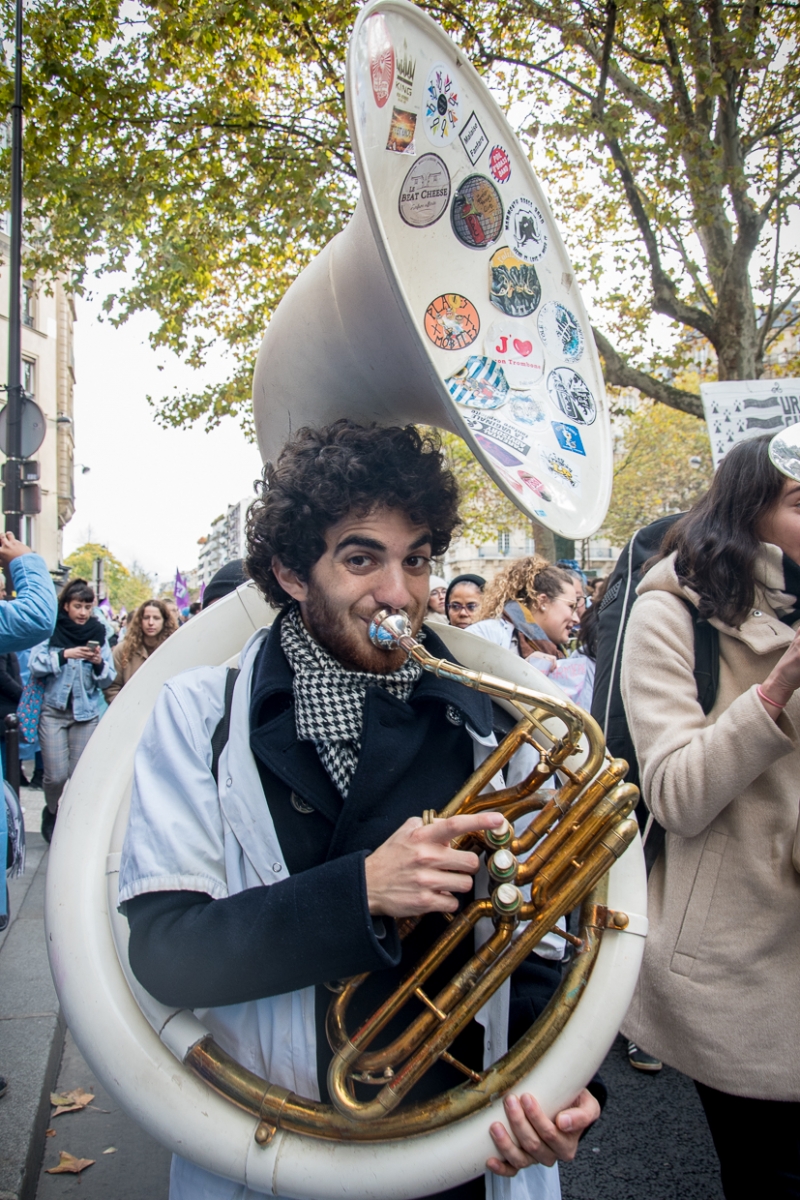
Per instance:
x=570, y=393
x=477, y=212
x=381, y=59
x=560, y=331
x=425, y=193
x=526, y=410
x=526, y=229
x=442, y=105
x=480, y=384
x=452, y=322
x=518, y=351
x=500, y=164
x=514, y=286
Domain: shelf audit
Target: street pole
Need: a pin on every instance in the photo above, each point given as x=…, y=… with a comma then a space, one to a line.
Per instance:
x=12, y=490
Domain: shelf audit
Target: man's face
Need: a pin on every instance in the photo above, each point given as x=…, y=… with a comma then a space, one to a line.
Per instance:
x=370, y=562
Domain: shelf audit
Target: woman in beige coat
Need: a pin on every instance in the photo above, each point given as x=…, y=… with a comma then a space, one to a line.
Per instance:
x=150, y=625
x=719, y=992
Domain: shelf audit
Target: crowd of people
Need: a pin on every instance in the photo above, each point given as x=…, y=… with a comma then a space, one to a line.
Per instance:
x=717, y=996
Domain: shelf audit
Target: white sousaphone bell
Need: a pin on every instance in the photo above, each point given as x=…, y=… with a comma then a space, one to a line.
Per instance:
x=449, y=300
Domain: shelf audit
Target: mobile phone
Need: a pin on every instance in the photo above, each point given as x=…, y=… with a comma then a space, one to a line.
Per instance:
x=92, y=645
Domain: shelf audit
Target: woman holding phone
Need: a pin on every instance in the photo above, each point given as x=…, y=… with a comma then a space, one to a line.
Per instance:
x=74, y=666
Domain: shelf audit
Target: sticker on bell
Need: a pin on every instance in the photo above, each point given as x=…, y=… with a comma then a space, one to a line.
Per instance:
x=473, y=139
x=515, y=345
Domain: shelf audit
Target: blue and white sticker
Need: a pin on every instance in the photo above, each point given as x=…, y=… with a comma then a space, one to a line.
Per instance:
x=527, y=410
x=560, y=332
x=480, y=384
x=568, y=437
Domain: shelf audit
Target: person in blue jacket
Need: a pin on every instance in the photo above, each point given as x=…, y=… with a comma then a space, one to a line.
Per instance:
x=23, y=622
x=31, y=616
x=75, y=666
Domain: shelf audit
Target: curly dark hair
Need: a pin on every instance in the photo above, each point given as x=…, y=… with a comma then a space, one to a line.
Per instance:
x=323, y=474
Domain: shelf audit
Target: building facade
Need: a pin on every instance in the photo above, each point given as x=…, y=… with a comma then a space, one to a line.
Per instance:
x=224, y=541
x=594, y=555
x=48, y=376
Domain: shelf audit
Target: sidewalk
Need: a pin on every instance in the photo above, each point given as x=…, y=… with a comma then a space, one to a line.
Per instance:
x=31, y=1028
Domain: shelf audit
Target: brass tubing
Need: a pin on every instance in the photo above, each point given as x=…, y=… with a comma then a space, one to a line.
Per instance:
x=606, y=813
x=493, y=763
x=455, y=932
x=451, y=994
x=310, y=1118
x=613, y=845
x=570, y=829
x=563, y=800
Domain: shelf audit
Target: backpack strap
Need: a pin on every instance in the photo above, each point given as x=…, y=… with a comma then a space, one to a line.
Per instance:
x=219, y=738
x=706, y=660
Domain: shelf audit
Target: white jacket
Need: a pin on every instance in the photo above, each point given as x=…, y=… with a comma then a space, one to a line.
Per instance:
x=188, y=833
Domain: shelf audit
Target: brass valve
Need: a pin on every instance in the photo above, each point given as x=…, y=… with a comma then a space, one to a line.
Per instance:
x=502, y=866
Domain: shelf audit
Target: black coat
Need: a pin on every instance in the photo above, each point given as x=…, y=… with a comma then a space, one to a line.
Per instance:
x=10, y=689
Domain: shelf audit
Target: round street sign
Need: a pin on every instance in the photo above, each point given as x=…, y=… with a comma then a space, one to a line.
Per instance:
x=34, y=427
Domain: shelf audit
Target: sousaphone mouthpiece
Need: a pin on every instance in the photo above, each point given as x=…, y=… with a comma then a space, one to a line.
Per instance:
x=386, y=629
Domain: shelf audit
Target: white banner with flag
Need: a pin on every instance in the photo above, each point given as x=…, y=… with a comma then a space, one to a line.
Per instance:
x=739, y=409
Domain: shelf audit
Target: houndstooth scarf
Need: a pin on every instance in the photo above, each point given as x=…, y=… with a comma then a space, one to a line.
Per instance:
x=329, y=700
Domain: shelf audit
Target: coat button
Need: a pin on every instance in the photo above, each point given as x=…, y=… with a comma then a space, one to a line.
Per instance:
x=277, y=868
x=229, y=782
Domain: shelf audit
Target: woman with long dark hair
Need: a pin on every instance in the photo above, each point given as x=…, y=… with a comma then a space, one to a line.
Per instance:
x=74, y=666
x=719, y=992
x=150, y=625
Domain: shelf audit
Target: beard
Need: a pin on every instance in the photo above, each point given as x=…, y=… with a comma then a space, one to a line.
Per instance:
x=343, y=632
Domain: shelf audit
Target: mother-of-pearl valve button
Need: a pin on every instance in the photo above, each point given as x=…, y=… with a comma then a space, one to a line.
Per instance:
x=502, y=865
x=501, y=836
x=507, y=899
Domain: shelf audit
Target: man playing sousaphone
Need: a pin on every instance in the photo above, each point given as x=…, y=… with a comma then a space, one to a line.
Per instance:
x=256, y=873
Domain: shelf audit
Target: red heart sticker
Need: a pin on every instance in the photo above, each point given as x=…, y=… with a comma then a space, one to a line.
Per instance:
x=523, y=348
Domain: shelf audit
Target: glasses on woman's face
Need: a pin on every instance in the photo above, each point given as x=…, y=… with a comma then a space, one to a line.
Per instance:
x=471, y=607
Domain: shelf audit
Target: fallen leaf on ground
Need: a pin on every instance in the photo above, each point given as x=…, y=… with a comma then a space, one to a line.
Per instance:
x=73, y=1101
x=49, y=1133
x=68, y=1164
x=110, y=1150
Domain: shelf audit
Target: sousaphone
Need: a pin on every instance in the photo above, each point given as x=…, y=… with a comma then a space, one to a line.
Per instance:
x=448, y=300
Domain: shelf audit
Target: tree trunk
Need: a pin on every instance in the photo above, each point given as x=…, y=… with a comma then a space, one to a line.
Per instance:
x=545, y=541
x=737, y=345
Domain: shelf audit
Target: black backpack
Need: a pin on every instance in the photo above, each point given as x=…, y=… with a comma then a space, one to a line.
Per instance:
x=607, y=707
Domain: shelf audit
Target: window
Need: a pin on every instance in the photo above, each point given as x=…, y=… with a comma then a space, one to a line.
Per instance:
x=28, y=305
x=503, y=543
x=530, y=545
x=28, y=532
x=29, y=376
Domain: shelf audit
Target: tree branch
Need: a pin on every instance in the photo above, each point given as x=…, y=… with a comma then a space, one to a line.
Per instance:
x=665, y=298
x=618, y=373
x=679, y=88
x=554, y=18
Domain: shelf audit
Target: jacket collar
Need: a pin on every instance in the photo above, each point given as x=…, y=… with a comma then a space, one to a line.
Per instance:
x=762, y=630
